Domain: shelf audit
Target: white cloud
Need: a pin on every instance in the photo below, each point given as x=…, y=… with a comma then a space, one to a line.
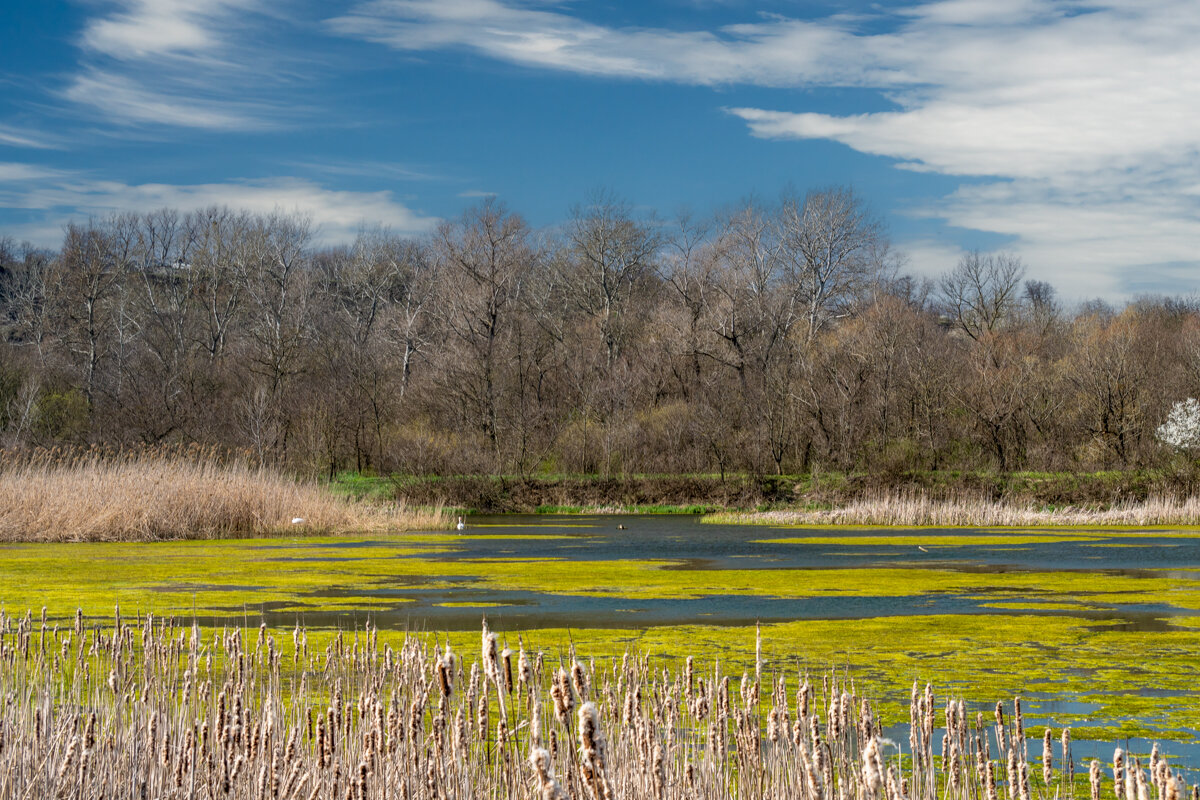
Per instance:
x=183, y=63
x=21, y=137
x=57, y=197
x=16, y=172
x=781, y=53
x=1085, y=114
x=159, y=27
x=929, y=258
x=129, y=101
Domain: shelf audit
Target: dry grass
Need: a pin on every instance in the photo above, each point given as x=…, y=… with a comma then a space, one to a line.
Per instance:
x=147, y=709
x=975, y=512
x=151, y=495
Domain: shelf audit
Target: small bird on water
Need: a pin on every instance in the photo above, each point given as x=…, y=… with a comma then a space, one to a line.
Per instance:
x=461, y=525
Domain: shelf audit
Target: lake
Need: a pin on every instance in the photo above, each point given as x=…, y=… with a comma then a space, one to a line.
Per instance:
x=1096, y=629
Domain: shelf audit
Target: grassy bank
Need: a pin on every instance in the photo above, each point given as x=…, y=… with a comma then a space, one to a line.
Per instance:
x=1112, y=497
x=150, y=496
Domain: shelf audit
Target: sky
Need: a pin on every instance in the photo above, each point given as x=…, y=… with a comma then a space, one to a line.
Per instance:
x=1064, y=132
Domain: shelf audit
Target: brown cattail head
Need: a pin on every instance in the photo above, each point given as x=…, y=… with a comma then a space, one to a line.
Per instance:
x=579, y=681
x=872, y=779
x=1047, y=758
x=1118, y=773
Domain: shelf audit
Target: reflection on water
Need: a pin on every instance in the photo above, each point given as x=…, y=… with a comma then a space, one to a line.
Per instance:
x=682, y=539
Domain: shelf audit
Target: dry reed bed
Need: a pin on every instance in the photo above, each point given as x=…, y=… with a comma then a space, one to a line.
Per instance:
x=148, y=709
x=150, y=496
x=916, y=509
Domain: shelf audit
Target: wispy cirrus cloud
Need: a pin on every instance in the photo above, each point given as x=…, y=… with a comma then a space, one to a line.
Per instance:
x=778, y=52
x=50, y=198
x=1076, y=121
x=205, y=64
x=138, y=29
x=128, y=100
x=15, y=136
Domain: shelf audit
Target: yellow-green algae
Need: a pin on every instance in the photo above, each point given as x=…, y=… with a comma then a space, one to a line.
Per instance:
x=182, y=576
x=983, y=657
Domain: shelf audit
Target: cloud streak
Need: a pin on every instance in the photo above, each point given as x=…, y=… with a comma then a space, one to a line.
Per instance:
x=52, y=198
x=1082, y=118
x=178, y=63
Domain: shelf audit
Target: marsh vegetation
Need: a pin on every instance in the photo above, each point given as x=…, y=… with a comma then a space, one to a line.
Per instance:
x=909, y=509
x=146, y=707
x=148, y=494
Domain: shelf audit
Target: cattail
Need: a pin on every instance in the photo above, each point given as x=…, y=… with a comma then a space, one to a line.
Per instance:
x=579, y=681
x=1011, y=774
x=1139, y=781
x=1068, y=764
x=564, y=701
x=1118, y=773
x=524, y=669
x=491, y=664
x=1047, y=758
x=592, y=752
x=981, y=759
x=1019, y=731
x=870, y=769
x=991, y=781
x=659, y=771
x=506, y=657
x=1095, y=775
x=548, y=786
x=68, y=760
x=443, y=673
x=535, y=723
x=955, y=769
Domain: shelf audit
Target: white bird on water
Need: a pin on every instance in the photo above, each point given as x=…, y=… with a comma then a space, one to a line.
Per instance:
x=461, y=525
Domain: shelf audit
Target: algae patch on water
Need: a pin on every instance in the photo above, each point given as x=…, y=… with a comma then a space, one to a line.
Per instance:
x=1037, y=633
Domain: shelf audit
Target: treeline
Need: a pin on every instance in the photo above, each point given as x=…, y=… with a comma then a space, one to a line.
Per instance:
x=777, y=338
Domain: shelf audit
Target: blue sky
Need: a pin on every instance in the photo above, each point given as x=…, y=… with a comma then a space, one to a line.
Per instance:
x=1067, y=132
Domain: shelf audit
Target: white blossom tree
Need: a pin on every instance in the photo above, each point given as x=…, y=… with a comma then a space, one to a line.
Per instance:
x=1182, y=428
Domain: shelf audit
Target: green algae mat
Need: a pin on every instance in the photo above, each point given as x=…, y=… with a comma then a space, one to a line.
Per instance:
x=1097, y=630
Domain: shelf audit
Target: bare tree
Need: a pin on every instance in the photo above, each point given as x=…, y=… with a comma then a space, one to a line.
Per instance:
x=93, y=268
x=981, y=293
x=609, y=254
x=833, y=249
x=484, y=257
